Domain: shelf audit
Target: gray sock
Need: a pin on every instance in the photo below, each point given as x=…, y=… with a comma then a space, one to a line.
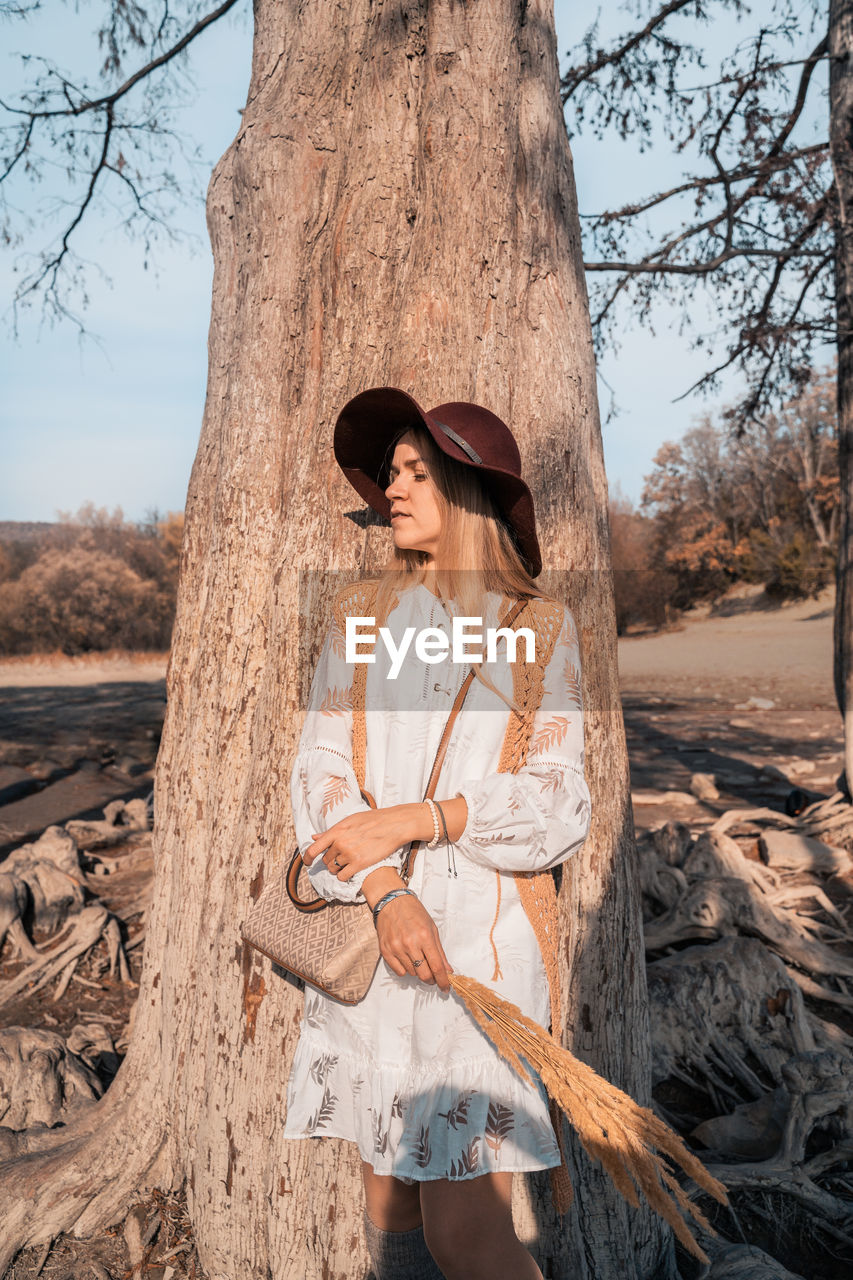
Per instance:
x=400, y=1255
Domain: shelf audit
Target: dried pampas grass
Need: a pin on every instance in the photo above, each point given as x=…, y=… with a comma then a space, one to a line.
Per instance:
x=611, y=1126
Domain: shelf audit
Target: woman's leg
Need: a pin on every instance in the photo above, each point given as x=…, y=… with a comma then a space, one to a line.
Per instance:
x=468, y=1228
x=391, y=1204
x=392, y=1227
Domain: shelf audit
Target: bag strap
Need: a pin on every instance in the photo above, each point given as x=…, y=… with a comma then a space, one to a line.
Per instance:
x=309, y=905
x=441, y=751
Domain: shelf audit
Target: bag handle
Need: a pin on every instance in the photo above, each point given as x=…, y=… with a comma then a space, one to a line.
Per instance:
x=309, y=905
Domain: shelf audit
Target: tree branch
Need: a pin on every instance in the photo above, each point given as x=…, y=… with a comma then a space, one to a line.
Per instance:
x=577, y=76
x=763, y=168
x=110, y=99
x=55, y=262
x=802, y=90
x=769, y=66
x=57, y=115
x=696, y=268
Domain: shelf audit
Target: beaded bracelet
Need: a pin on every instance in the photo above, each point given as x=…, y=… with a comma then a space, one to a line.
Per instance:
x=436, y=834
x=389, y=897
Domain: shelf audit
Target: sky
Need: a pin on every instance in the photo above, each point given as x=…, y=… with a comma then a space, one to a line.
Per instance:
x=116, y=420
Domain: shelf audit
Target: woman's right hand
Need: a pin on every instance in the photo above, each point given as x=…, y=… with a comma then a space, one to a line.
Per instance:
x=407, y=933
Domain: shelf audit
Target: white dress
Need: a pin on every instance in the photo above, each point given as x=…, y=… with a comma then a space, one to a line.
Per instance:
x=406, y=1073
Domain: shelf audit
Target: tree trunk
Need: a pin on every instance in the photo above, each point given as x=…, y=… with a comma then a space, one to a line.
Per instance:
x=841, y=153
x=397, y=208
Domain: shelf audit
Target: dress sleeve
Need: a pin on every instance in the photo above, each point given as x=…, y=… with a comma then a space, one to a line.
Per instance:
x=323, y=785
x=539, y=816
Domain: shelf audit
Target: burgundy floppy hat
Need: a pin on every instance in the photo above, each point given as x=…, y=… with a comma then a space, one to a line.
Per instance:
x=468, y=433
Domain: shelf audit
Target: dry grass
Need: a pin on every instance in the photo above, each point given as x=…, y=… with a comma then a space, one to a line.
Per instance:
x=611, y=1126
x=94, y=658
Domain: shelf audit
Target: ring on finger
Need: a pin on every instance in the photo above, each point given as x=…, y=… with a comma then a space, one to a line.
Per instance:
x=415, y=963
x=337, y=864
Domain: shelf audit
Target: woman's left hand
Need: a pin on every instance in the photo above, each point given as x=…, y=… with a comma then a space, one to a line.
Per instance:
x=363, y=839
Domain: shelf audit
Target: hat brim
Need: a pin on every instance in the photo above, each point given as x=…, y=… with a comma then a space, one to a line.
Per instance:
x=364, y=431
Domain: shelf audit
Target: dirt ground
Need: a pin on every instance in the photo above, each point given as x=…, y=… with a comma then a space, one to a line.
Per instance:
x=78, y=732
x=687, y=702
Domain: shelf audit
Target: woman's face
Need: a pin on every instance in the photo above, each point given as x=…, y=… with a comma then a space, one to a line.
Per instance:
x=415, y=514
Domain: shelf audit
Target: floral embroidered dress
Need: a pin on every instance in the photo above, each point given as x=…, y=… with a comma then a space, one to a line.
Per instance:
x=406, y=1073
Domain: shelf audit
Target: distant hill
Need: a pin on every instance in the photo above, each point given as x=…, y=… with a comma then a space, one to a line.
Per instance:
x=24, y=530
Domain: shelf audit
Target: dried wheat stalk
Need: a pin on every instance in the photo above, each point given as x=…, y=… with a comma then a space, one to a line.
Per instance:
x=611, y=1126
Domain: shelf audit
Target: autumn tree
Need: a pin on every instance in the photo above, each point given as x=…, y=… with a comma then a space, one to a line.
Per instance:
x=759, y=219
x=758, y=507
x=398, y=206
x=642, y=590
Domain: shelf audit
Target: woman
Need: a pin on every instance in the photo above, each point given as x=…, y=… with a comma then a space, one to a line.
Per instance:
x=441, y=1121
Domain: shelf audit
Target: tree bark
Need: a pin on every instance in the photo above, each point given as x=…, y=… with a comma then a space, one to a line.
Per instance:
x=841, y=154
x=398, y=207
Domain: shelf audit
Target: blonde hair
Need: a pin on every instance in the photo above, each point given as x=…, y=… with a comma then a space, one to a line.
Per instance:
x=476, y=551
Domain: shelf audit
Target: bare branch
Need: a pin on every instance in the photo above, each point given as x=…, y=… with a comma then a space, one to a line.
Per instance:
x=62, y=127
x=52, y=266
x=768, y=66
x=743, y=173
x=22, y=149
x=761, y=228
x=757, y=393
x=579, y=75
x=800, y=100
x=110, y=99
x=698, y=268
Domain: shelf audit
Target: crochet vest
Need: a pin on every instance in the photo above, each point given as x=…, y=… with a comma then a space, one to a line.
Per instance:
x=536, y=889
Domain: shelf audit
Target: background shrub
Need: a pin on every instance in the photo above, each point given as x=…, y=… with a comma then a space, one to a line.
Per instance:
x=89, y=582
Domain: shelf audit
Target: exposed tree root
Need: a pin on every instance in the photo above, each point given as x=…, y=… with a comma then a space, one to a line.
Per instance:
x=14, y=900
x=46, y=881
x=728, y=1017
x=727, y=894
x=82, y=1177
x=120, y=818
x=744, y=1262
x=93, y=923
x=42, y=1082
x=834, y=814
